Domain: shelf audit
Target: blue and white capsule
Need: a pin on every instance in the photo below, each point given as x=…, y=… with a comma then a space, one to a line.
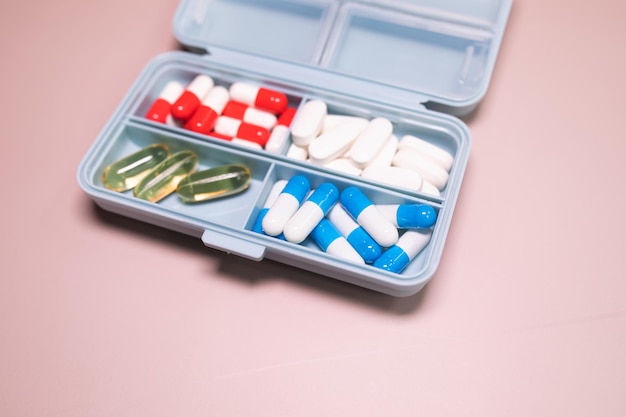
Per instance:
x=332, y=242
x=316, y=206
x=358, y=238
x=409, y=216
x=368, y=216
x=409, y=245
x=275, y=191
x=286, y=205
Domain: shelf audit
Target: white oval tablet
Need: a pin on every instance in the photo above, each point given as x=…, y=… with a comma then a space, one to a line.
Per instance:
x=297, y=152
x=332, y=144
x=396, y=176
x=385, y=155
x=441, y=156
x=344, y=165
x=428, y=188
x=308, y=122
x=430, y=170
x=370, y=141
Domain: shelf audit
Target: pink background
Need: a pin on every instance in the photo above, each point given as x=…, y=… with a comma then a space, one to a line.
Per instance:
x=103, y=316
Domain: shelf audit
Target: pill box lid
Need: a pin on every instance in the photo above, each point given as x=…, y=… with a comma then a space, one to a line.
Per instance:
x=440, y=53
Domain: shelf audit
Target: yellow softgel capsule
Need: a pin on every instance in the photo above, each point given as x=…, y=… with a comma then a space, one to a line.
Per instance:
x=212, y=183
x=165, y=177
x=124, y=174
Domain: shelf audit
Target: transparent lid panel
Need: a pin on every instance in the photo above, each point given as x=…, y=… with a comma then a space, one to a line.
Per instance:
x=443, y=50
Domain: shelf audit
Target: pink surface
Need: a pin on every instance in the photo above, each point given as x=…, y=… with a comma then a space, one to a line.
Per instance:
x=103, y=316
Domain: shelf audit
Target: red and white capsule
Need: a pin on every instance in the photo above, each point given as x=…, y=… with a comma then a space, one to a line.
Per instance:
x=238, y=129
x=192, y=97
x=204, y=118
x=259, y=97
x=280, y=132
x=161, y=107
x=248, y=114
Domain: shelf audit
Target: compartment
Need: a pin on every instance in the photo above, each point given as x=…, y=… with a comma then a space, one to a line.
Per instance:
x=441, y=134
x=434, y=56
x=309, y=252
x=290, y=30
x=230, y=211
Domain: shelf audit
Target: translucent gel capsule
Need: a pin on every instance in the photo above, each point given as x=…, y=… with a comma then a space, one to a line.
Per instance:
x=126, y=173
x=212, y=183
x=164, y=178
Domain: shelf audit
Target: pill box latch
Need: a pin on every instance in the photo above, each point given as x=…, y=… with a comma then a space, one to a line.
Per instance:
x=234, y=245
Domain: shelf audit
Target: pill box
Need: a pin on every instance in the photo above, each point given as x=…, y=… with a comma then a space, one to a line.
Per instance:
x=419, y=64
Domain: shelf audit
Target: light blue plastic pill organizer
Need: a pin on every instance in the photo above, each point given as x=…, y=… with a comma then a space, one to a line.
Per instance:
x=416, y=63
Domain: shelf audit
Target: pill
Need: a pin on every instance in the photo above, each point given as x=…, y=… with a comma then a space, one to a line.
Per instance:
x=287, y=203
x=249, y=114
x=247, y=143
x=359, y=206
x=124, y=174
x=409, y=245
x=212, y=183
x=426, y=167
x=160, y=109
x=396, y=176
x=409, y=216
x=334, y=143
x=280, y=132
x=204, y=118
x=370, y=141
x=428, y=188
x=238, y=129
x=275, y=191
x=332, y=242
x=308, y=122
x=191, y=98
x=344, y=165
x=316, y=206
x=259, y=97
x=163, y=179
x=441, y=156
x=332, y=121
x=385, y=156
x=297, y=152
x=359, y=239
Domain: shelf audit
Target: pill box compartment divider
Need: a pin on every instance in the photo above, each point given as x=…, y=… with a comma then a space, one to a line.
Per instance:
x=226, y=224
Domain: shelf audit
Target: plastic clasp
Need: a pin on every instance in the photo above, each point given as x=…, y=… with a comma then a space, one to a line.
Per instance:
x=230, y=244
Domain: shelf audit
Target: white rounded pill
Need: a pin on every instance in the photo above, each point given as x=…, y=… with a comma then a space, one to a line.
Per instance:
x=172, y=91
x=428, y=188
x=227, y=126
x=201, y=85
x=381, y=230
x=344, y=165
x=441, y=156
x=277, y=139
x=342, y=249
x=308, y=122
x=333, y=121
x=243, y=92
x=331, y=145
x=396, y=176
x=259, y=118
x=216, y=99
x=246, y=143
x=425, y=166
x=297, y=152
x=370, y=141
x=385, y=156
